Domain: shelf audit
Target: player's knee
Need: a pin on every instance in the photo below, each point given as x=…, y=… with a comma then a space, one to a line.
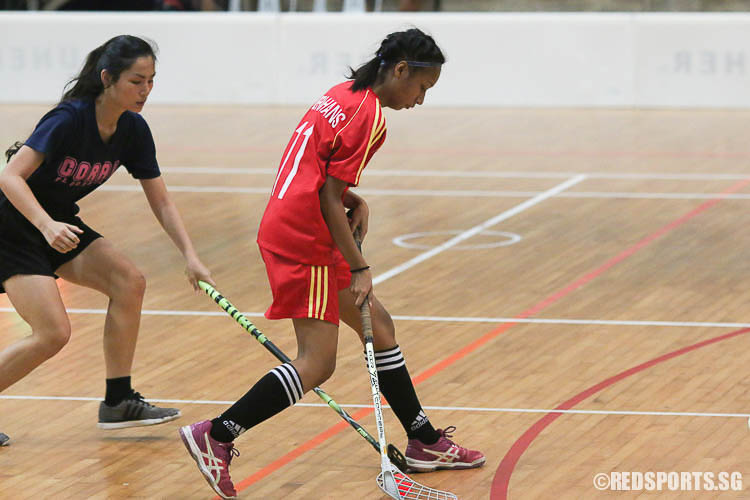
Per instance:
x=132, y=284
x=313, y=371
x=53, y=339
x=327, y=371
x=384, y=330
x=323, y=372
x=137, y=282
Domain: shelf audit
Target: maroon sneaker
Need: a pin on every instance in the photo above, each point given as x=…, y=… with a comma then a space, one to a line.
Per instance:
x=445, y=454
x=212, y=457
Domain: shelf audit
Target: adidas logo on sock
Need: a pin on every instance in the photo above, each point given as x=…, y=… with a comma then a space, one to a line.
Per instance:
x=419, y=421
x=235, y=428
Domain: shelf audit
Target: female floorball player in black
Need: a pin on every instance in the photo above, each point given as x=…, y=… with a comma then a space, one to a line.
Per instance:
x=73, y=150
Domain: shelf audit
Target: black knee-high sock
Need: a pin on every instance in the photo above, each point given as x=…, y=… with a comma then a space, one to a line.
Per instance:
x=278, y=389
x=398, y=389
x=117, y=390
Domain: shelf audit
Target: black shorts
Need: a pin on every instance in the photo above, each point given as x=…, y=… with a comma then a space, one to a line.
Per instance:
x=23, y=249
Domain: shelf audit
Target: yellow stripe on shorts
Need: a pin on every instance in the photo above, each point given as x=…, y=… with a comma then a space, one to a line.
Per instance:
x=312, y=292
x=316, y=307
x=318, y=282
x=325, y=292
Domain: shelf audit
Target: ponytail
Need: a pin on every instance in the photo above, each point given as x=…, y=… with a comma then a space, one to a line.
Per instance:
x=365, y=75
x=12, y=150
x=88, y=83
x=414, y=46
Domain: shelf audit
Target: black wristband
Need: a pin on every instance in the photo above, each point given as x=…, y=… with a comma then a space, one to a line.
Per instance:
x=359, y=269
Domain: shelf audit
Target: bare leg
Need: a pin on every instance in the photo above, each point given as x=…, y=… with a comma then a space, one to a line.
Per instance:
x=316, y=351
x=101, y=267
x=284, y=385
x=383, y=330
x=37, y=300
x=395, y=382
x=397, y=386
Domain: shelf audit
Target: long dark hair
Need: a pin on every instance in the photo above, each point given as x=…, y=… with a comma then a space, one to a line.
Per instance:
x=12, y=150
x=411, y=45
x=116, y=55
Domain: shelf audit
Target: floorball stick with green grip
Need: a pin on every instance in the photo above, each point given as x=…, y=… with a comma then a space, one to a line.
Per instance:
x=396, y=457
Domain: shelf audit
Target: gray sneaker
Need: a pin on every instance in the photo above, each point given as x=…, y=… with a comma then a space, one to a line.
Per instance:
x=4, y=439
x=134, y=412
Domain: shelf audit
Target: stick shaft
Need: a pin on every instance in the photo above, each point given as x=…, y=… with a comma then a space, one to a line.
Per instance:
x=389, y=485
x=245, y=323
x=386, y=480
x=364, y=310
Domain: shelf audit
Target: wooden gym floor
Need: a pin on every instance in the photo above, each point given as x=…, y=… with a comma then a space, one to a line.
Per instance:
x=609, y=282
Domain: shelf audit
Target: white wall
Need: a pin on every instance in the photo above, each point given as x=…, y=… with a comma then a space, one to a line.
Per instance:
x=614, y=59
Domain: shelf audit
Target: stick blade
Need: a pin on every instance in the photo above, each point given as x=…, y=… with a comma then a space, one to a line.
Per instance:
x=398, y=485
x=397, y=458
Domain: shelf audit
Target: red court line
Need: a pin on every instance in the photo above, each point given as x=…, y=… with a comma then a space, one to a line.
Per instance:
x=461, y=353
x=501, y=482
x=309, y=445
x=300, y=450
x=576, y=284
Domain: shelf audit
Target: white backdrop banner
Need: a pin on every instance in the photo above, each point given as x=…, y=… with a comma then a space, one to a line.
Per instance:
x=494, y=59
x=686, y=60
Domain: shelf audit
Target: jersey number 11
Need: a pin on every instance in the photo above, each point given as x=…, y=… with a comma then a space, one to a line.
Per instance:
x=297, y=133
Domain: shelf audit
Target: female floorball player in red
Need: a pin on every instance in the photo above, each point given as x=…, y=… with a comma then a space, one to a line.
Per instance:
x=75, y=148
x=316, y=272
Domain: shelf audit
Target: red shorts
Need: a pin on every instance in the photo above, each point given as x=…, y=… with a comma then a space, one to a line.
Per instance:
x=304, y=290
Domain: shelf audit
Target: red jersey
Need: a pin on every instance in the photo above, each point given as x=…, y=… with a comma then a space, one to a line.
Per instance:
x=337, y=136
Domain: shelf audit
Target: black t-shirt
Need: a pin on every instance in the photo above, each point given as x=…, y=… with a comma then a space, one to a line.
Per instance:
x=77, y=161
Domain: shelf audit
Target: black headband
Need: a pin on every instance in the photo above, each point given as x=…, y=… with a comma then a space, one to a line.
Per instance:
x=417, y=64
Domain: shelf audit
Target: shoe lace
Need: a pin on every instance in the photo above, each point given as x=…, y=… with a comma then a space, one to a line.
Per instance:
x=445, y=432
x=233, y=452
x=136, y=396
